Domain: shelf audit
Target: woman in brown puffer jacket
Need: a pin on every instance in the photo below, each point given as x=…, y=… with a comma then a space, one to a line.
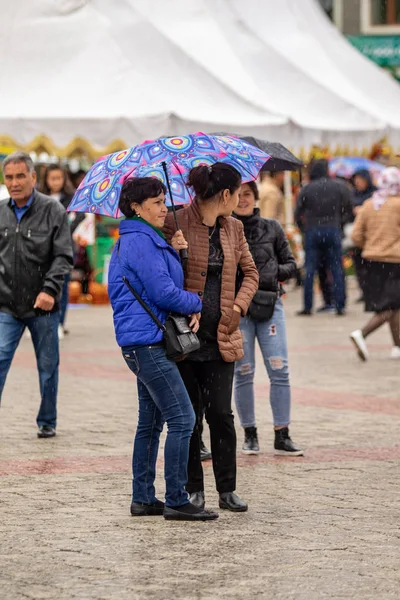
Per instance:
x=217, y=247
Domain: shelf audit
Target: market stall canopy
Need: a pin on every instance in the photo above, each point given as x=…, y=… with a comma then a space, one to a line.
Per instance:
x=101, y=71
x=101, y=75
x=321, y=68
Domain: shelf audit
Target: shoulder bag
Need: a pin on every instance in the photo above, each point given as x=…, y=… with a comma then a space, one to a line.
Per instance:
x=178, y=337
x=263, y=305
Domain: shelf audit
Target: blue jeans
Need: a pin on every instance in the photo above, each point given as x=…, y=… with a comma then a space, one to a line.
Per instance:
x=324, y=244
x=271, y=336
x=44, y=332
x=162, y=397
x=64, y=299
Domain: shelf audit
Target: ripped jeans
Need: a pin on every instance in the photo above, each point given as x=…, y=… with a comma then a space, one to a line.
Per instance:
x=271, y=336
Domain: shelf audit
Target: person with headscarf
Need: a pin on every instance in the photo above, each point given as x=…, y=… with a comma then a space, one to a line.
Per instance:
x=377, y=232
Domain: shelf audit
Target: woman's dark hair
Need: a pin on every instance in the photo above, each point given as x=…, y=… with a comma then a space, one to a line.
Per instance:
x=137, y=190
x=67, y=188
x=207, y=181
x=253, y=186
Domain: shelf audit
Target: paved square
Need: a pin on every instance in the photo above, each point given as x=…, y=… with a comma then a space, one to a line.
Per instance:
x=322, y=526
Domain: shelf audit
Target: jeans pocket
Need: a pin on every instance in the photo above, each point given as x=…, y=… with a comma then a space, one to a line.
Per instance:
x=132, y=361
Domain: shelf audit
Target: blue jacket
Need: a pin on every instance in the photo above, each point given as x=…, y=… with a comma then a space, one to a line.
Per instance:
x=154, y=270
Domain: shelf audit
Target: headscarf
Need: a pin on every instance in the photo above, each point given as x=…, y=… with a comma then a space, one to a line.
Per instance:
x=388, y=185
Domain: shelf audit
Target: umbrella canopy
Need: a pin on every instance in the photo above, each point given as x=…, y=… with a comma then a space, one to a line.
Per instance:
x=346, y=166
x=168, y=159
x=281, y=159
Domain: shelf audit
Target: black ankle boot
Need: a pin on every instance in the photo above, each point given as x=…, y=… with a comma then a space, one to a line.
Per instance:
x=250, y=444
x=284, y=445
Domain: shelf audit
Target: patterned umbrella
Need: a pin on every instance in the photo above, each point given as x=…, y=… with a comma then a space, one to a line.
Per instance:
x=281, y=159
x=346, y=166
x=168, y=159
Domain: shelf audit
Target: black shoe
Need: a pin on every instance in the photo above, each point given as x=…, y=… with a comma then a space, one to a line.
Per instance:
x=188, y=512
x=197, y=499
x=205, y=453
x=231, y=501
x=304, y=313
x=250, y=444
x=138, y=509
x=45, y=431
x=284, y=445
x=341, y=313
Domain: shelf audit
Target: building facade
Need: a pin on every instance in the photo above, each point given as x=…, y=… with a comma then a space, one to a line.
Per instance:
x=372, y=26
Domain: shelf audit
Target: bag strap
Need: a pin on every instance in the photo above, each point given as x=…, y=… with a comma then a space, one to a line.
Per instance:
x=140, y=300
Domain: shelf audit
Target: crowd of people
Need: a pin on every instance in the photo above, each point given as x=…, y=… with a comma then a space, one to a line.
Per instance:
x=230, y=287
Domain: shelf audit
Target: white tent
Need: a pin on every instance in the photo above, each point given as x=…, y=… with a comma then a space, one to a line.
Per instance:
x=101, y=74
x=99, y=70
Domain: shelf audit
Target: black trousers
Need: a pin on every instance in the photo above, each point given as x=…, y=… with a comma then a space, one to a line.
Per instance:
x=209, y=385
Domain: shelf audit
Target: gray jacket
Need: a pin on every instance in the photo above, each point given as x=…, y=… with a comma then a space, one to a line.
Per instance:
x=35, y=254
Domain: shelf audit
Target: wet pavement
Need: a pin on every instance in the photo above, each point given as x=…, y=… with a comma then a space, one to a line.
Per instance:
x=322, y=526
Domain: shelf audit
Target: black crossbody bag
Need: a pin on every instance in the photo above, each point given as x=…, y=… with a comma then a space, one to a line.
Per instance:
x=263, y=305
x=178, y=337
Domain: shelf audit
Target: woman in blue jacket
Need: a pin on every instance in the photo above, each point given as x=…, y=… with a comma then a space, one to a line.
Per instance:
x=153, y=269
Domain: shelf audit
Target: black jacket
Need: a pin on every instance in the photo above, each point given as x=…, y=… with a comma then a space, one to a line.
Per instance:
x=35, y=254
x=324, y=202
x=360, y=197
x=270, y=250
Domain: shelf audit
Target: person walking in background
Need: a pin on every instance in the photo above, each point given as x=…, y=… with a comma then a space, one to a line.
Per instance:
x=323, y=207
x=265, y=322
x=377, y=232
x=216, y=248
x=272, y=201
x=363, y=188
x=152, y=268
x=57, y=185
x=35, y=257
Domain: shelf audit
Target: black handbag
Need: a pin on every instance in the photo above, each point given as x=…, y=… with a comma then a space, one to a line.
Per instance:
x=263, y=305
x=178, y=337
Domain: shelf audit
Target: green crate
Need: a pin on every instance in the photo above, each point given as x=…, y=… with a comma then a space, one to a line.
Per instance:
x=97, y=253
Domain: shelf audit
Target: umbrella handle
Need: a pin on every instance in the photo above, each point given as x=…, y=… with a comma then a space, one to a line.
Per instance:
x=182, y=253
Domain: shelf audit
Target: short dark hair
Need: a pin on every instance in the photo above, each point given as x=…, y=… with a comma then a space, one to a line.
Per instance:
x=254, y=188
x=207, y=181
x=137, y=190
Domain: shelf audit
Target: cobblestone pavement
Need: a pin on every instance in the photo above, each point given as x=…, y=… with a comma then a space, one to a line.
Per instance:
x=322, y=526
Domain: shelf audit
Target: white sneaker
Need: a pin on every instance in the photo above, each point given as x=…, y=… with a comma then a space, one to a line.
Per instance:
x=395, y=352
x=60, y=332
x=358, y=340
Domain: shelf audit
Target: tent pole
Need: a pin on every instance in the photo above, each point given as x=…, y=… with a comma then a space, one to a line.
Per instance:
x=287, y=188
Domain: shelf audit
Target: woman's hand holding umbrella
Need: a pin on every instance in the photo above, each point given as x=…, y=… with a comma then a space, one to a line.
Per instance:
x=178, y=241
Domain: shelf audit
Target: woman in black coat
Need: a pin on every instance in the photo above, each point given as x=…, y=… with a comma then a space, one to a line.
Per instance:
x=266, y=322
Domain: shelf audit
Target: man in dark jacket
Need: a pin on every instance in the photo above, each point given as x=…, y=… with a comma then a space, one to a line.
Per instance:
x=323, y=207
x=35, y=256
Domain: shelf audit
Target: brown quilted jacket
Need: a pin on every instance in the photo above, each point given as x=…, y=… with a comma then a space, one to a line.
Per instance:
x=236, y=253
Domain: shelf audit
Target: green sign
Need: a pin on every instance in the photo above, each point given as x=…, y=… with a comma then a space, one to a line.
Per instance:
x=384, y=50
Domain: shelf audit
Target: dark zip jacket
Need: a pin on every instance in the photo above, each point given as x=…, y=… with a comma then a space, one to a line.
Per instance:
x=35, y=254
x=324, y=202
x=360, y=197
x=270, y=250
